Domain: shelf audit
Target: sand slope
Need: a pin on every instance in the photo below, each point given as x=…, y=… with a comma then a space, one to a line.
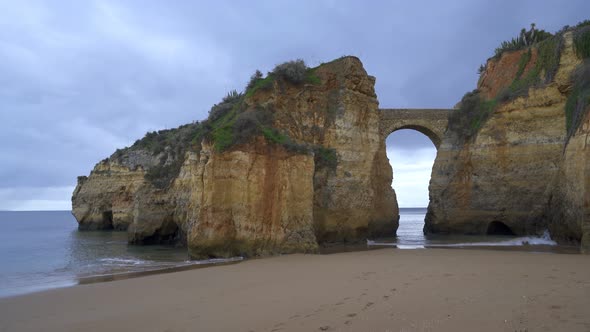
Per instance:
x=381, y=290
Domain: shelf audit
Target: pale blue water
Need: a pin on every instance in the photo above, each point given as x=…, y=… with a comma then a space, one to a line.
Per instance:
x=43, y=250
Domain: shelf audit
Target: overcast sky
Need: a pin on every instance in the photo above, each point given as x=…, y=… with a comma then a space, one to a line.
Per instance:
x=79, y=79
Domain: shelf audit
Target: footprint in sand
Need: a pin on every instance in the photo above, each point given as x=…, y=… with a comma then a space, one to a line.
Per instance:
x=351, y=315
x=324, y=328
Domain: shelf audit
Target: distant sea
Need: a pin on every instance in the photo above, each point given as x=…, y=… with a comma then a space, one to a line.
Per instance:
x=41, y=250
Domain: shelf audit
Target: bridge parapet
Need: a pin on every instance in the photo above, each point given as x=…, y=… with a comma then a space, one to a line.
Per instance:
x=430, y=122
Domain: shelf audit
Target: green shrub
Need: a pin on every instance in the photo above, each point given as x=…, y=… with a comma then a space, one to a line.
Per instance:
x=272, y=135
x=223, y=137
x=525, y=39
x=227, y=104
x=260, y=84
x=466, y=121
x=291, y=71
x=582, y=41
x=249, y=124
x=325, y=158
x=161, y=176
x=257, y=76
x=311, y=77
x=481, y=69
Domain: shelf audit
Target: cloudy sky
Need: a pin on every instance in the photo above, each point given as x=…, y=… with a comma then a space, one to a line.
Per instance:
x=79, y=79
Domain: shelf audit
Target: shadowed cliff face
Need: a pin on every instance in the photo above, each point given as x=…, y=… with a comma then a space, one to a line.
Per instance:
x=318, y=174
x=518, y=170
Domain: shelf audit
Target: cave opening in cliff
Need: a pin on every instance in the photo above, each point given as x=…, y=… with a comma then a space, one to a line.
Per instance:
x=411, y=154
x=107, y=219
x=499, y=228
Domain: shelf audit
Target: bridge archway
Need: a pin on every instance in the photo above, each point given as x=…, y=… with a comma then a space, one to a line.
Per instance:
x=433, y=136
x=430, y=122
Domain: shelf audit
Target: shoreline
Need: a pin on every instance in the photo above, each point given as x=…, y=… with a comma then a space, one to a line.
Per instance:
x=328, y=250
x=434, y=289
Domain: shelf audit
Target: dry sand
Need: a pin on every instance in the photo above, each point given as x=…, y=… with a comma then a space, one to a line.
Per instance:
x=380, y=290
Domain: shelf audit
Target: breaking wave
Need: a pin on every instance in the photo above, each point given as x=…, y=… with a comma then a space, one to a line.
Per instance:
x=544, y=240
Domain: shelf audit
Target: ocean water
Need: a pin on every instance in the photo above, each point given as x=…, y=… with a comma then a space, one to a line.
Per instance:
x=43, y=250
x=411, y=236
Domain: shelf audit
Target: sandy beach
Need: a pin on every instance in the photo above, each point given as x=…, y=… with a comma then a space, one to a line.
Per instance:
x=379, y=290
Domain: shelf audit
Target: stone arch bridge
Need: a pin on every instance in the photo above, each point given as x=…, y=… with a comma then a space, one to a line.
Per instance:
x=430, y=122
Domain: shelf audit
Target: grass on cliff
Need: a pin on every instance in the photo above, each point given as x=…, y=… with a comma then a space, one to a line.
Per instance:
x=476, y=110
x=578, y=102
x=523, y=40
x=473, y=112
x=543, y=72
x=230, y=122
x=169, y=146
x=582, y=41
x=293, y=72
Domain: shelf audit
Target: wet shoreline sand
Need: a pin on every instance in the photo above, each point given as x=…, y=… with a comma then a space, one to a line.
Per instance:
x=375, y=290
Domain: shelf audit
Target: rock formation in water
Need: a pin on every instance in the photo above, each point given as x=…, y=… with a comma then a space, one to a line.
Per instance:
x=294, y=162
x=515, y=157
x=298, y=160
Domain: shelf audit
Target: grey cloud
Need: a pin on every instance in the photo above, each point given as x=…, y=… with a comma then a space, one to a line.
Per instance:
x=80, y=79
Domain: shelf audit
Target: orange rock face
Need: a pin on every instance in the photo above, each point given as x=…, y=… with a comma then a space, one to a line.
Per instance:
x=500, y=73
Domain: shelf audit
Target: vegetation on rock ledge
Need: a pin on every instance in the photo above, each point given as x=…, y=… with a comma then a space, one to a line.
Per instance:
x=230, y=122
x=578, y=102
x=524, y=40
x=474, y=110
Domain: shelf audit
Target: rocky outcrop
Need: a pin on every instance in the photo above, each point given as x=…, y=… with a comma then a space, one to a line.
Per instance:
x=568, y=211
x=317, y=173
x=255, y=200
x=518, y=173
x=354, y=199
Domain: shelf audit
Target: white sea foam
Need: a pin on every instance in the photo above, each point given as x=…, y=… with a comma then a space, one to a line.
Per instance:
x=409, y=246
x=123, y=261
x=544, y=240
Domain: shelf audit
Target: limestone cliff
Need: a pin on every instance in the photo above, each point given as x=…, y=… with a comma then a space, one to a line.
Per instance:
x=282, y=168
x=505, y=164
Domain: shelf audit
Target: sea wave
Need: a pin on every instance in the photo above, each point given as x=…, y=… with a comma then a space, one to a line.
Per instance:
x=137, y=262
x=521, y=241
x=123, y=261
x=544, y=240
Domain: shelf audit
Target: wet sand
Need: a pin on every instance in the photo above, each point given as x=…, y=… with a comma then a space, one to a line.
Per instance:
x=377, y=290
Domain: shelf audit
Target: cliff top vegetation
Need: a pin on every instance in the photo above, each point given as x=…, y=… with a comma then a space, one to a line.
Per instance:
x=230, y=122
x=540, y=54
